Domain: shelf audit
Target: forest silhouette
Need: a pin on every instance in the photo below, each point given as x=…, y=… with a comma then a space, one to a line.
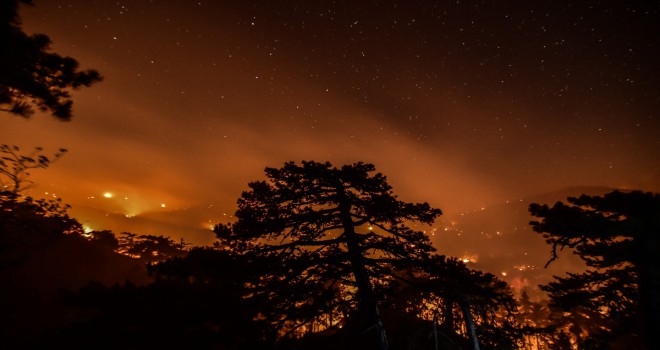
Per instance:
x=319, y=257
x=286, y=274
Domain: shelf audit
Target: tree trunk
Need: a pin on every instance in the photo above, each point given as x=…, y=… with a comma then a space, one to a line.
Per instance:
x=469, y=324
x=448, y=315
x=367, y=305
x=435, y=331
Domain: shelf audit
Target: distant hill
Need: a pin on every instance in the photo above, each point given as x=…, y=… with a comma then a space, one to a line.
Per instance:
x=498, y=239
x=194, y=224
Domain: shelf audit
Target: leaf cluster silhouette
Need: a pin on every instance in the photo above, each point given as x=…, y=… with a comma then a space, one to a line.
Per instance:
x=15, y=166
x=616, y=300
x=31, y=76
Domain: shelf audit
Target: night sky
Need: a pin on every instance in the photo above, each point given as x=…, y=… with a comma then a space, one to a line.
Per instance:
x=462, y=104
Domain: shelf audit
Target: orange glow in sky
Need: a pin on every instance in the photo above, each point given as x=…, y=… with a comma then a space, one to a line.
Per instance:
x=199, y=97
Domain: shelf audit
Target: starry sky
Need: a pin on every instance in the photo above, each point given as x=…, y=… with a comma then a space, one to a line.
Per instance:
x=460, y=103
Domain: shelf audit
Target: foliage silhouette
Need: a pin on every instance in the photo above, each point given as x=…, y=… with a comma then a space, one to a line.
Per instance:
x=26, y=224
x=535, y=320
x=617, y=236
x=15, y=166
x=32, y=76
x=333, y=237
x=470, y=306
x=150, y=248
x=418, y=299
x=196, y=301
x=43, y=250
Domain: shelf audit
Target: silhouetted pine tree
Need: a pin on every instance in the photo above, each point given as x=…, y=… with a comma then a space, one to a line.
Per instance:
x=617, y=236
x=333, y=237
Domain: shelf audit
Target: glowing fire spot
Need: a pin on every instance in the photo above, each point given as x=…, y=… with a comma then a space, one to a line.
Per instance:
x=162, y=205
x=470, y=258
x=108, y=195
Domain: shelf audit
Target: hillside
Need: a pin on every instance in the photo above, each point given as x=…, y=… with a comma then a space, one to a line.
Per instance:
x=498, y=239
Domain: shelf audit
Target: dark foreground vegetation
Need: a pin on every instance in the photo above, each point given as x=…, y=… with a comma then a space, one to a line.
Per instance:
x=321, y=257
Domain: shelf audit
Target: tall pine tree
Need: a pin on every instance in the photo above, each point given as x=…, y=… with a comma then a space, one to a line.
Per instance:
x=334, y=236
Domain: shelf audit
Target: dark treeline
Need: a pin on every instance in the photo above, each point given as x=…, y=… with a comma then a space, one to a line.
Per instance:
x=321, y=257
